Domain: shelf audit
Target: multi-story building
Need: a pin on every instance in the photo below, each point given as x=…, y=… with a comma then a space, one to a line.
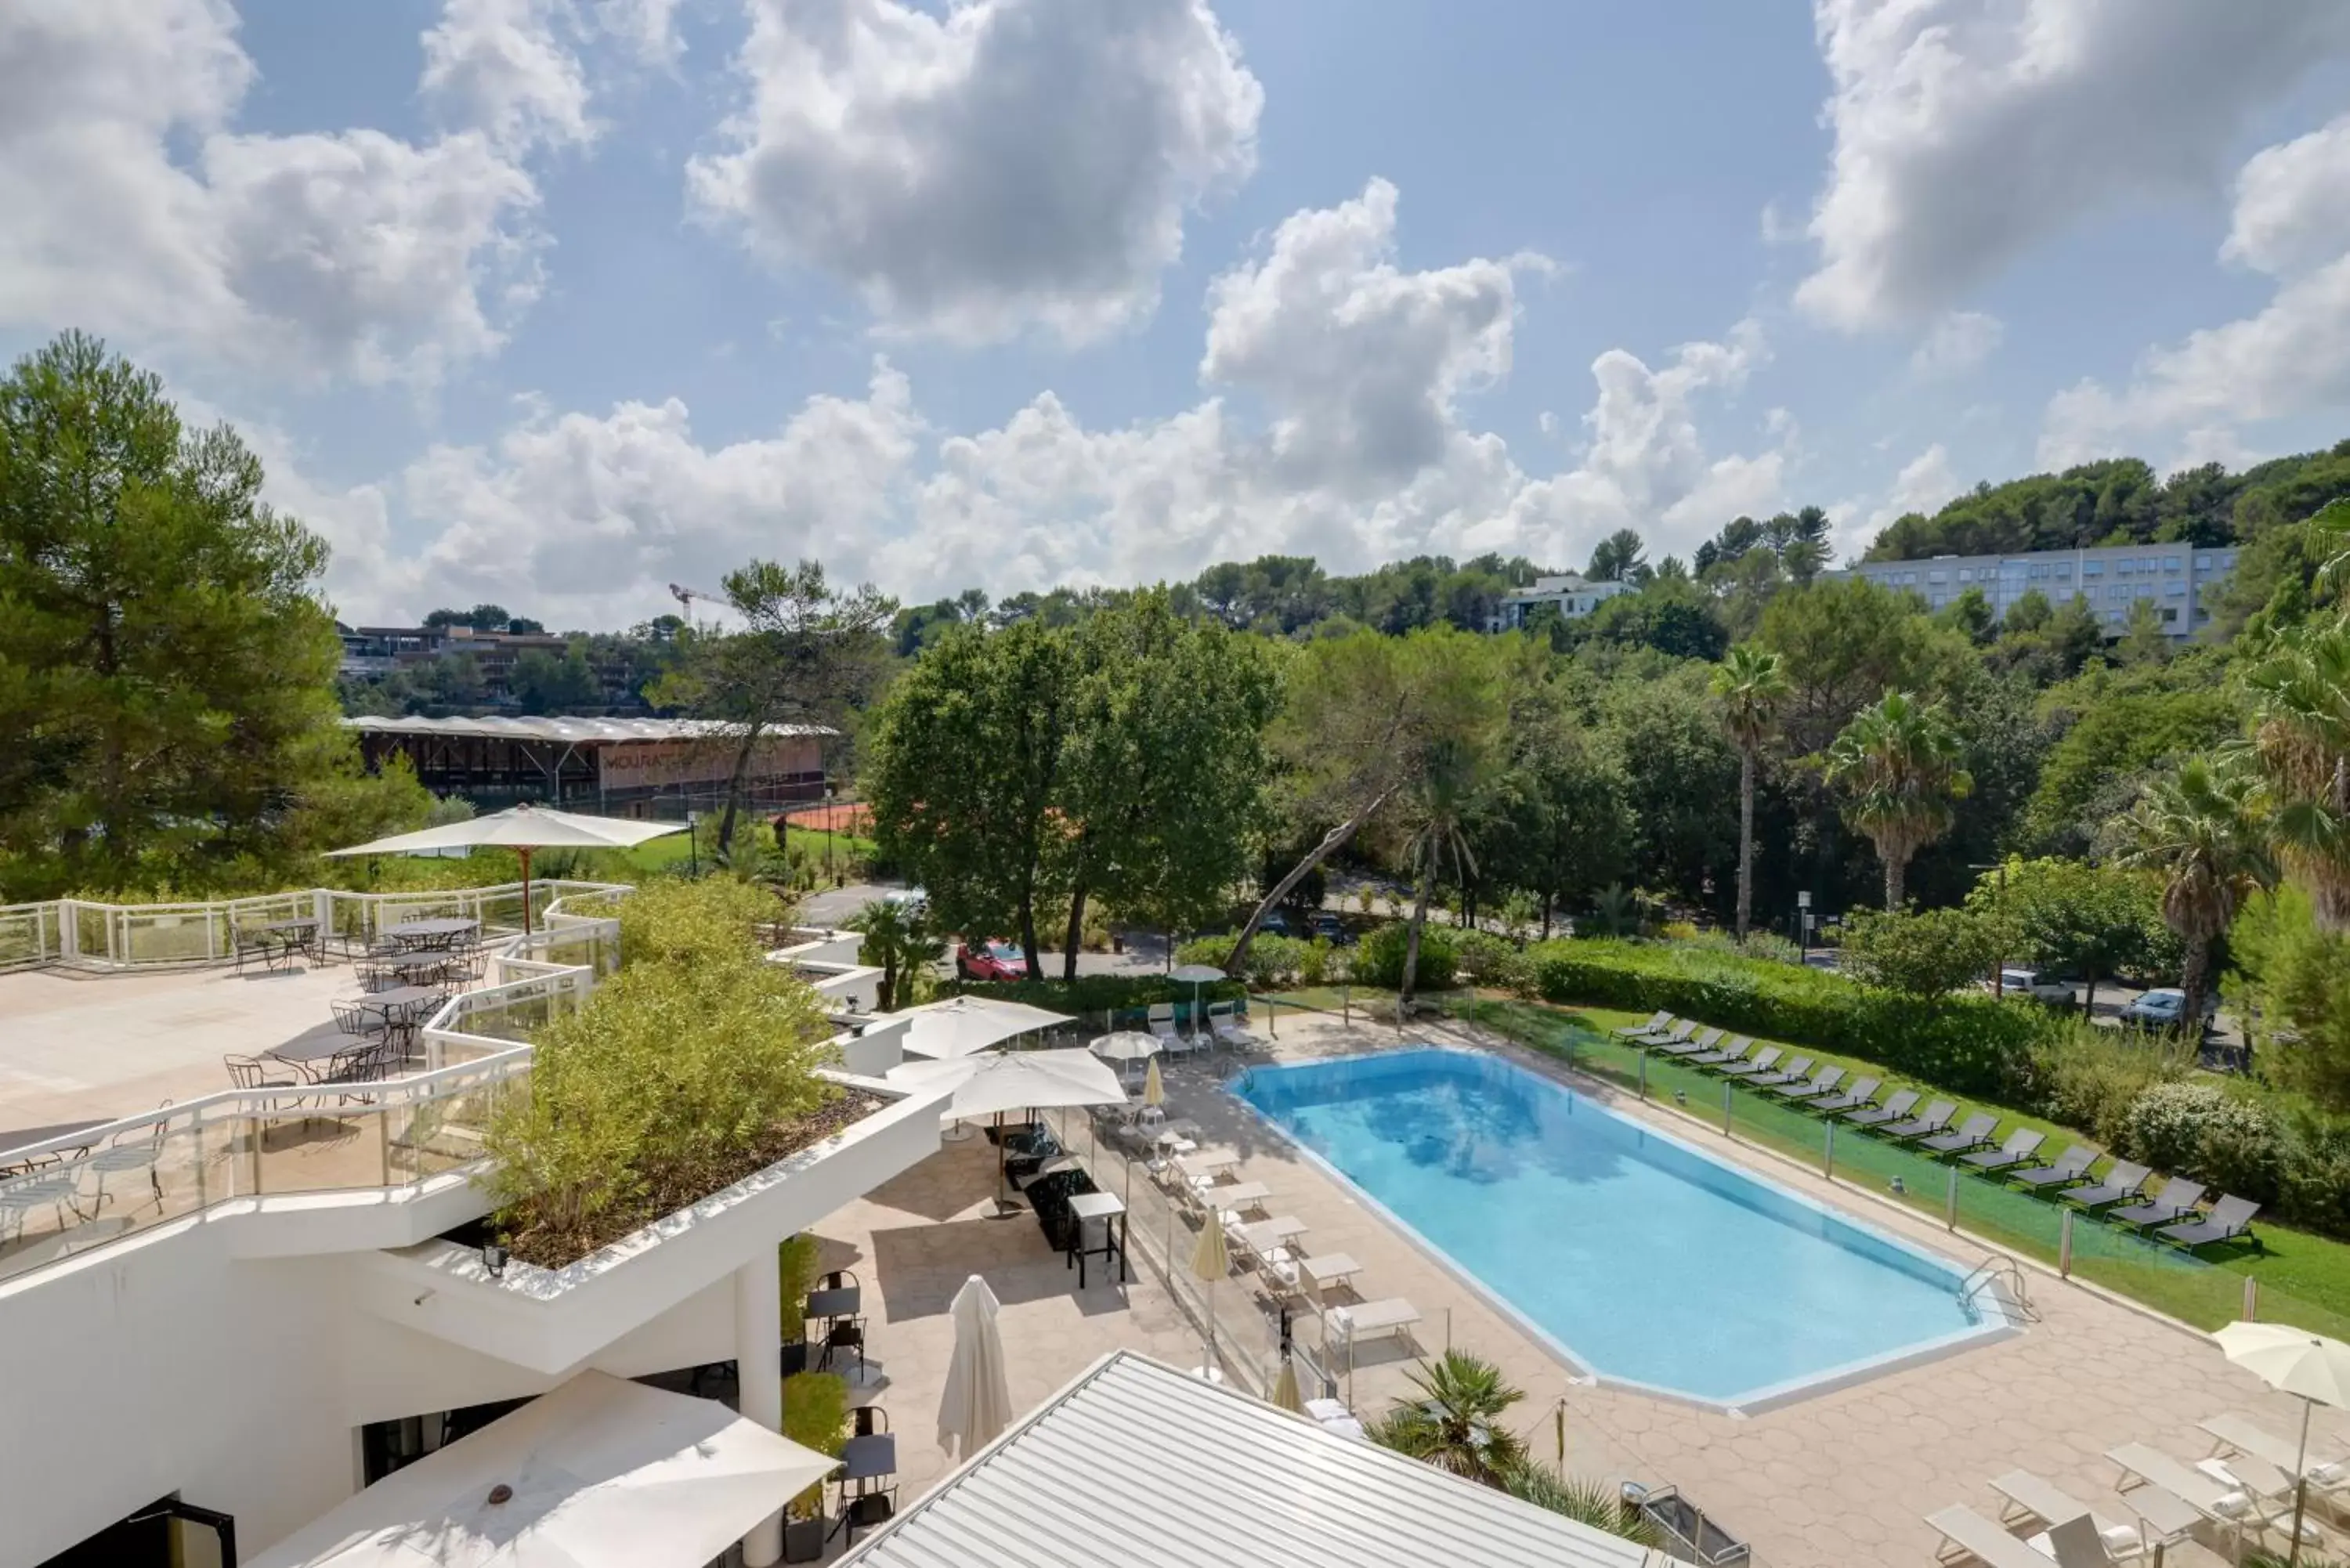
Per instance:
x=2180, y=580
x=1571, y=594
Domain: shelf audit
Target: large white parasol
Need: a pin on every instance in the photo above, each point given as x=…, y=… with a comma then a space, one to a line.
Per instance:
x=2314, y=1368
x=522, y=829
x=976, y=1406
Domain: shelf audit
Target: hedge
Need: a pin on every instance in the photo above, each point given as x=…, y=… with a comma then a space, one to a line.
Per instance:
x=1969, y=1044
x=1101, y=992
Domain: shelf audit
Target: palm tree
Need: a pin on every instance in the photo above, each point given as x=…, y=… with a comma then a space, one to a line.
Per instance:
x=1751, y=683
x=1619, y=558
x=1454, y=1421
x=1440, y=802
x=1585, y=1502
x=2301, y=735
x=2203, y=830
x=900, y=940
x=1899, y=759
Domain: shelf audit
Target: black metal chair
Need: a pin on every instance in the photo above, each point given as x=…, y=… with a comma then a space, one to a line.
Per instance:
x=355, y=1018
x=866, y=1415
x=252, y=1073
x=845, y=1334
x=868, y=1510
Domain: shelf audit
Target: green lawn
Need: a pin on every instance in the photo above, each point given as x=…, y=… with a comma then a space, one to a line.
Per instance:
x=2304, y=1279
x=658, y=855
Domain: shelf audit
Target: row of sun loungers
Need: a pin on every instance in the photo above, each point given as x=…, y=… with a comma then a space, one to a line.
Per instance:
x=2174, y=1213
x=2243, y=1491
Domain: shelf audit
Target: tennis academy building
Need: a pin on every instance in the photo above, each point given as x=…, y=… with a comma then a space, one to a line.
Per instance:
x=614, y=767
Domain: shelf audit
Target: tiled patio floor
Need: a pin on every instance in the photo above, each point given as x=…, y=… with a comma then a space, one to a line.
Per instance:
x=73, y=1046
x=1843, y=1478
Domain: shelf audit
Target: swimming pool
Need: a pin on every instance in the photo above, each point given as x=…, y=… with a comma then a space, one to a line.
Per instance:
x=1641, y=1259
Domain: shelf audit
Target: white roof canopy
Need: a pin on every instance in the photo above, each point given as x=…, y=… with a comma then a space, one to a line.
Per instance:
x=987, y=1085
x=965, y=1025
x=605, y=1473
x=519, y=827
x=1228, y=1480
x=500, y=727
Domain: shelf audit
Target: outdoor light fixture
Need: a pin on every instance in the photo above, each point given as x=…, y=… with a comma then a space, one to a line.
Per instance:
x=1680, y=1096
x=493, y=1258
x=1898, y=1187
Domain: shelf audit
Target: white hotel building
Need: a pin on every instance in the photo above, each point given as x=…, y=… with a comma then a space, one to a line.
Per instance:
x=2181, y=580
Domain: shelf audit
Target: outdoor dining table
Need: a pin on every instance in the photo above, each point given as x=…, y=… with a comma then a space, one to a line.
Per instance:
x=399, y=1003
x=299, y=935
x=440, y=931
x=18, y=1138
x=868, y=1459
x=322, y=1043
x=1105, y=1207
x=845, y=1300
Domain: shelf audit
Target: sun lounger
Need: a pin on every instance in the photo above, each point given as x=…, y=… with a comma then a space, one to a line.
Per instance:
x=1656, y=1023
x=2234, y=1434
x=1789, y=1074
x=2230, y=1218
x=2022, y=1148
x=1372, y=1319
x=1968, y=1534
x=1892, y=1110
x=1161, y=1019
x=1695, y=1047
x=2070, y=1167
x=1239, y=1195
x=2223, y=1505
x=1669, y=1034
x=1862, y=1092
x=1934, y=1118
x=1819, y=1084
x=2175, y=1203
x=1763, y=1061
x=1235, y=1032
x=2271, y=1491
x=2122, y=1181
x=1263, y=1237
x=2033, y=1500
x=1973, y=1133
x=1738, y=1046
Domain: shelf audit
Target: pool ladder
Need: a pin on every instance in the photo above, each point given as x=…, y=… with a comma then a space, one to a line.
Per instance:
x=1998, y=1269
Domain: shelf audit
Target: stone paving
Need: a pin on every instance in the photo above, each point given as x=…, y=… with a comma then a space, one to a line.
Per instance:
x=1841, y=1478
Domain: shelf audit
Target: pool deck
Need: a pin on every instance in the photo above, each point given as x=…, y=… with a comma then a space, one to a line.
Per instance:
x=1837, y=1478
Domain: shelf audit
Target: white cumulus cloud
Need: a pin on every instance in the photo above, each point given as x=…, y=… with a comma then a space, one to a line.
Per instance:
x=1002, y=164
x=1959, y=342
x=1966, y=130
x=133, y=208
x=504, y=67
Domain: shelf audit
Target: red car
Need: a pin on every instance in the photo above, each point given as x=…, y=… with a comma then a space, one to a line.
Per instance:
x=990, y=961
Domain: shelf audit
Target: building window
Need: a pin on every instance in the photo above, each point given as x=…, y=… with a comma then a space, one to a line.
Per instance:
x=1941, y=599
x=2093, y=568
x=2171, y=563
x=2228, y=562
x=2040, y=571
x=2169, y=615
x=2065, y=571
x=2115, y=617
x=1938, y=577
x=2202, y=563
x=1966, y=574
x=2173, y=590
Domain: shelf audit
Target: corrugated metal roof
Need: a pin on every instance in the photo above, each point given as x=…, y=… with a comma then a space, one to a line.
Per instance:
x=499, y=727
x=1137, y=1462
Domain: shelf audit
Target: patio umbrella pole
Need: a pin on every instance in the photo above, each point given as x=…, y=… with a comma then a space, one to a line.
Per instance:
x=523, y=851
x=2300, y=1486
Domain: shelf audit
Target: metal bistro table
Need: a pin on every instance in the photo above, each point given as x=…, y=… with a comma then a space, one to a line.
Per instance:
x=440, y=931
x=297, y=936
x=322, y=1043
x=18, y=1138
x=1105, y=1207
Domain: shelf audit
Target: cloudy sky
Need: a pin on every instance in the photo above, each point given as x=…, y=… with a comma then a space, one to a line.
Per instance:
x=554, y=302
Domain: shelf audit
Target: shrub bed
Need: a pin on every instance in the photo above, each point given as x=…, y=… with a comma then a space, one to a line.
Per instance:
x=1099, y=993
x=1971, y=1044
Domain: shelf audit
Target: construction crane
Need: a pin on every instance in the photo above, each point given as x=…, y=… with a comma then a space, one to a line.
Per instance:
x=685, y=598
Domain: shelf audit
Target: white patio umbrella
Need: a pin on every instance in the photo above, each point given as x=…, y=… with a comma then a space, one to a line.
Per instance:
x=977, y=1403
x=522, y=829
x=1126, y=1047
x=1209, y=1262
x=990, y=1084
x=599, y=1474
x=2309, y=1366
x=1196, y=975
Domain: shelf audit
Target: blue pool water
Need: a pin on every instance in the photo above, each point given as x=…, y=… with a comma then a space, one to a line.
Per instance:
x=1646, y=1260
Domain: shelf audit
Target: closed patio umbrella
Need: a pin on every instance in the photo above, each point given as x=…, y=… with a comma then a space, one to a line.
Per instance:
x=976, y=1406
x=2309, y=1366
x=522, y=829
x=1154, y=1087
x=1209, y=1262
x=1285, y=1388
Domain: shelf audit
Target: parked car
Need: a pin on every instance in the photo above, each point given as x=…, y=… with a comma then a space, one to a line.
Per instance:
x=990, y=961
x=1276, y=924
x=2162, y=1008
x=915, y=901
x=2031, y=983
x=1332, y=930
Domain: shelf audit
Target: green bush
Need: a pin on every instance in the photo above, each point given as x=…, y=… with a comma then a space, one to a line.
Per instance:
x=1378, y=961
x=1272, y=961
x=1486, y=959
x=1765, y=945
x=2089, y=1078
x=1932, y=952
x=1103, y=992
x=2201, y=1131
x=816, y=1416
x=1970, y=1045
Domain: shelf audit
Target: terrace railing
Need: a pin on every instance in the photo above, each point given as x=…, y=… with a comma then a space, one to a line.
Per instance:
x=77, y=933
x=164, y=1166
